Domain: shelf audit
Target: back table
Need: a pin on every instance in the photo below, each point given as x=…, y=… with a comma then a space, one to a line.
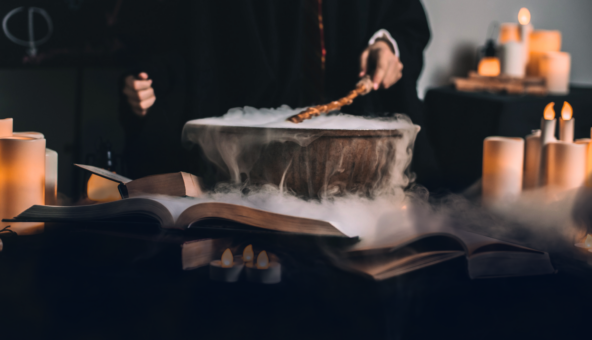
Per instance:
x=457, y=122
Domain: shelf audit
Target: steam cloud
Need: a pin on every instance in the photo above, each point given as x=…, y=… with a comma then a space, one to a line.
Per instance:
x=397, y=205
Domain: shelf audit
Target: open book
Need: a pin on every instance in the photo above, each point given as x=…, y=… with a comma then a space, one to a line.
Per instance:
x=404, y=250
x=173, y=184
x=179, y=213
x=417, y=248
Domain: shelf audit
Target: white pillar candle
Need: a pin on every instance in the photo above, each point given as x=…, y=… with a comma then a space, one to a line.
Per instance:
x=566, y=165
x=588, y=143
x=22, y=179
x=555, y=68
x=30, y=134
x=512, y=55
x=503, y=160
x=566, y=130
x=548, y=124
x=566, y=124
x=548, y=130
x=532, y=160
x=525, y=31
x=51, y=177
x=6, y=127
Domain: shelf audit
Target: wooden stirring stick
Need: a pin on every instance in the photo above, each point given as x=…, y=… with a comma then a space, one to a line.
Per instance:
x=363, y=87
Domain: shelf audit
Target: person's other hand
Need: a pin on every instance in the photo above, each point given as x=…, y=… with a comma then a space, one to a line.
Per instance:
x=139, y=92
x=387, y=68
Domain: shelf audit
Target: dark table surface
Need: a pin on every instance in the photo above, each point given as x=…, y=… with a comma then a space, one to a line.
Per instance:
x=79, y=285
x=458, y=122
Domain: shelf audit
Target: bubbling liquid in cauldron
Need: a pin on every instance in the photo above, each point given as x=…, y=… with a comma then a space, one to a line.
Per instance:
x=327, y=156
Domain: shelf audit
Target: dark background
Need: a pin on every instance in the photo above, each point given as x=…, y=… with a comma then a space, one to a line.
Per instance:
x=69, y=90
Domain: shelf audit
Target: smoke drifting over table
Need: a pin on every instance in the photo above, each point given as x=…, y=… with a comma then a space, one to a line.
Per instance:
x=261, y=152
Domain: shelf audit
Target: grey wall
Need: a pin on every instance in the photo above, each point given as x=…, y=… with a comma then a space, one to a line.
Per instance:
x=460, y=26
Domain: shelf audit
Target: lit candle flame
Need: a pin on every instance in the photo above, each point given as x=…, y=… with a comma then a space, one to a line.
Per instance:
x=248, y=253
x=262, y=260
x=549, y=113
x=524, y=16
x=588, y=241
x=566, y=111
x=227, y=259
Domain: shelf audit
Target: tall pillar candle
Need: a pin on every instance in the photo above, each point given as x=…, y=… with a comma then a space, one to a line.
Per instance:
x=51, y=177
x=512, y=55
x=588, y=180
x=566, y=124
x=503, y=160
x=532, y=160
x=566, y=165
x=555, y=68
x=22, y=179
x=587, y=142
x=589, y=165
x=525, y=31
x=548, y=125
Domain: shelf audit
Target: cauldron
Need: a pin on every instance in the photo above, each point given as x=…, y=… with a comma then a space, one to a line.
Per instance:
x=311, y=163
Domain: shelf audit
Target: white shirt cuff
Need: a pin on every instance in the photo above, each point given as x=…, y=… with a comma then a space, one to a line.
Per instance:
x=384, y=34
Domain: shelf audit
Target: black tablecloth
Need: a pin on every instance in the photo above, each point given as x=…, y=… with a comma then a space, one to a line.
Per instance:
x=457, y=122
x=83, y=286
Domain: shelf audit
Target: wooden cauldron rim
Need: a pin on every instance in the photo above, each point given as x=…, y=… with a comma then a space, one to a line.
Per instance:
x=321, y=132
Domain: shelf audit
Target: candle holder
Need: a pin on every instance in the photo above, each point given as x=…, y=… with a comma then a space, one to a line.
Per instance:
x=264, y=271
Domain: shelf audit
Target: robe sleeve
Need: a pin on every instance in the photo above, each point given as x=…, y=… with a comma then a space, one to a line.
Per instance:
x=407, y=24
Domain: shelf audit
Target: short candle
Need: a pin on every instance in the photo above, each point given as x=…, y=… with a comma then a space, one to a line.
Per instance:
x=248, y=254
x=227, y=269
x=264, y=271
x=587, y=244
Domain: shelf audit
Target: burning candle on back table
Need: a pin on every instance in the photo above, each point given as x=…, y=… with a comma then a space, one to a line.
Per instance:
x=555, y=68
x=525, y=30
x=566, y=124
x=541, y=41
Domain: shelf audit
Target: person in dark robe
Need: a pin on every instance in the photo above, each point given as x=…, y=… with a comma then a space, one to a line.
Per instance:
x=267, y=53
